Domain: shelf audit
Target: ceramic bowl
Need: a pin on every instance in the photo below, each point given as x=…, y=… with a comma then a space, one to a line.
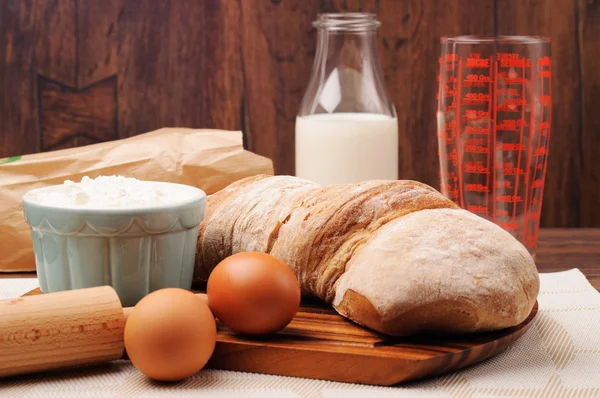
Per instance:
x=134, y=250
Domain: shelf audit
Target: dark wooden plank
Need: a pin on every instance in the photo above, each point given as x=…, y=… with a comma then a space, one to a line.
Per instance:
x=82, y=109
x=390, y=362
x=179, y=65
x=6, y=48
x=96, y=41
x=560, y=249
x=431, y=21
x=589, y=50
x=146, y=89
x=223, y=84
x=72, y=117
x=4, y=138
x=351, y=5
x=557, y=19
x=278, y=43
x=229, y=64
x=38, y=37
x=64, y=116
x=55, y=58
x=55, y=50
x=397, y=26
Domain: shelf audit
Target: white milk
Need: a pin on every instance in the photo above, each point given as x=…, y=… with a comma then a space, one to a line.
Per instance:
x=337, y=148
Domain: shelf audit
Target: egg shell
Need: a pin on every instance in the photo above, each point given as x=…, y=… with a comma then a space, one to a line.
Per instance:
x=253, y=293
x=170, y=334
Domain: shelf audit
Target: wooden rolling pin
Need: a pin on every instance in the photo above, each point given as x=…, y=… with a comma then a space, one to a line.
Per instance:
x=58, y=330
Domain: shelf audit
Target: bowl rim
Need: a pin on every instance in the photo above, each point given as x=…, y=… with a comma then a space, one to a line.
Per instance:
x=197, y=199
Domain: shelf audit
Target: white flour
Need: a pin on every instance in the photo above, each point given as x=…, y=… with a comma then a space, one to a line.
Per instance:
x=113, y=192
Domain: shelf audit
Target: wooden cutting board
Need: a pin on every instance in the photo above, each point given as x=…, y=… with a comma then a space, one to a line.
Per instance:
x=320, y=344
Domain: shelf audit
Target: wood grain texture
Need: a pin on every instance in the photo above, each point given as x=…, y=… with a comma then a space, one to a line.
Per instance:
x=588, y=14
x=317, y=344
x=65, y=329
x=434, y=19
x=72, y=117
x=178, y=65
x=278, y=56
x=557, y=19
x=97, y=50
x=244, y=64
x=560, y=249
x=37, y=37
x=320, y=344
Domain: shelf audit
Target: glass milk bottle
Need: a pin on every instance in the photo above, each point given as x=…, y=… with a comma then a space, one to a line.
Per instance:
x=346, y=129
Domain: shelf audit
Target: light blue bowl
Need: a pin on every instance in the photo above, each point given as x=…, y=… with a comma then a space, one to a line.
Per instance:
x=134, y=250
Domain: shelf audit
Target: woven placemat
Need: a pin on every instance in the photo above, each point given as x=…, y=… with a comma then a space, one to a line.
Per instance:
x=558, y=357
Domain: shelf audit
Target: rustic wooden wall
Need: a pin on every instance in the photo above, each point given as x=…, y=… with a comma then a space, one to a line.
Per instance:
x=74, y=72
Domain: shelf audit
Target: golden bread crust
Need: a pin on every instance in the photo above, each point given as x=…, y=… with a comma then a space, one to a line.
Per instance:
x=395, y=256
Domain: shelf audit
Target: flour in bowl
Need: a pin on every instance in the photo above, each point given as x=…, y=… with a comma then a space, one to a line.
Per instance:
x=114, y=192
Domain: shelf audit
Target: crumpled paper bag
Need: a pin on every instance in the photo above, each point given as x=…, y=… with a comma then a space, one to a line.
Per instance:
x=207, y=159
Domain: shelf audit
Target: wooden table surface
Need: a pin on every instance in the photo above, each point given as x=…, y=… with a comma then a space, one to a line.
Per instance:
x=559, y=249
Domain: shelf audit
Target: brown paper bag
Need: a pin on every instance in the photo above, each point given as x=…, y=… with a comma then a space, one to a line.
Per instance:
x=207, y=159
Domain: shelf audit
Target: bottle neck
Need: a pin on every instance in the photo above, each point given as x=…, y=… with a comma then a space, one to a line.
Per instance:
x=347, y=49
x=349, y=39
x=346, y=75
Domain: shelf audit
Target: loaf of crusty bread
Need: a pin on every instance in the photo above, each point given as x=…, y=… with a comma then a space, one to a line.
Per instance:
x=394, y=256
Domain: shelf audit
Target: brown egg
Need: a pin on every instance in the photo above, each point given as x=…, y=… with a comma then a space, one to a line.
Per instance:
x=170, y=334
x=253, y=293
